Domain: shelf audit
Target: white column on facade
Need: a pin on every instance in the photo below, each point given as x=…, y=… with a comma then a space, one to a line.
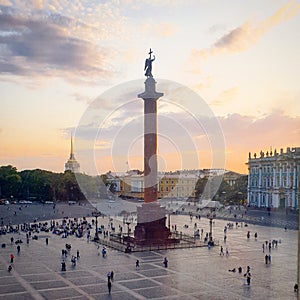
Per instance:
x=274, y=175
x=249, y=182
x=260, y=177
x=294, y=186
x=280, y=174
x=294, y=176
x=288, y=168
x=259, y=185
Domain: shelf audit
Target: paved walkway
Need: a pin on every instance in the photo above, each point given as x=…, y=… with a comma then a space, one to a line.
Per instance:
x=196, y=273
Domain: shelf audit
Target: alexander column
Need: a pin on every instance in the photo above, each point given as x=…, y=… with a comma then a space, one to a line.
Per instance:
x=151, y=217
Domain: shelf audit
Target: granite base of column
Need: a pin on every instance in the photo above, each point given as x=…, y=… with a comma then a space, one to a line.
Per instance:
x=151, y=225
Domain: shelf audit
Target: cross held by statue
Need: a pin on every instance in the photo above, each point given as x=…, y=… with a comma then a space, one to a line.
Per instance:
x=150, y=52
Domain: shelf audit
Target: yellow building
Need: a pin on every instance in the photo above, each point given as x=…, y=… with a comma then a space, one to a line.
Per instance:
x=168, y=185
x=177, y=186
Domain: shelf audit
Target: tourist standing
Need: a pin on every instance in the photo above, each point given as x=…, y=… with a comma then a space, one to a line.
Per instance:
x=248, y=278
x=63, y=265
x=103, y=252
x=266, y=259
x=165, y=262
x=109, y=286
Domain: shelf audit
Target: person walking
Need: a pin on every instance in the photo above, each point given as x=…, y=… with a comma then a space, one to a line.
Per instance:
x=12, y=258
x=77, y=254
x=109, y=286
x=18, y=249
x=137, y=264
x=221, y=251
x=47, y=241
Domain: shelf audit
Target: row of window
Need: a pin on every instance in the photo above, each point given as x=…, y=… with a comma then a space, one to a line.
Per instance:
x=177, y=189
x=268, y=181
x=177, y=181
x=271, y=168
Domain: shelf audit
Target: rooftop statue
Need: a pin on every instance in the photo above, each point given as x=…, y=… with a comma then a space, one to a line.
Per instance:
x=148, y=64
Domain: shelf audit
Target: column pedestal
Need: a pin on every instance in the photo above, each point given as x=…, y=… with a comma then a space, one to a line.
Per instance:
x=151, y=228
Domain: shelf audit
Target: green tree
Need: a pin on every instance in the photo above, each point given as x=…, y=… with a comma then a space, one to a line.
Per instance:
x=37, y=185
x=10, y=181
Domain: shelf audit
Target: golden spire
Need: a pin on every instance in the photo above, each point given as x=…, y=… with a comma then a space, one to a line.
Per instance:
x=72, y=164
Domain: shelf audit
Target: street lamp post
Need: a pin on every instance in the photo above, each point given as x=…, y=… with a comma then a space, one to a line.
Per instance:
x=96, y=214
x=211, y=216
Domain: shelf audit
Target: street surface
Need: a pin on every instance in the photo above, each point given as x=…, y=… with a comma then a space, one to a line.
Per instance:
x=194, y=273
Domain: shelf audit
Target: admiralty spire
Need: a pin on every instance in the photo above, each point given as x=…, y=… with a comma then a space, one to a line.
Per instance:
x=72, y=164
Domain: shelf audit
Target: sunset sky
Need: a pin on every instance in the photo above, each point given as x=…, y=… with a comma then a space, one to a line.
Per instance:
x=60, y=60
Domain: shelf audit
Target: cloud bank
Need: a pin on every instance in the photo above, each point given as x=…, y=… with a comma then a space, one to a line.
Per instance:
x=42, y=40
x=248, y=34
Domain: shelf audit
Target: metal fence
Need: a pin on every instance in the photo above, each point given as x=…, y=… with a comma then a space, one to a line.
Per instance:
x=181, y=241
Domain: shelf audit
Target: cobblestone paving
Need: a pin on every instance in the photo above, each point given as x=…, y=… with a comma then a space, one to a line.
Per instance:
x=196, y=273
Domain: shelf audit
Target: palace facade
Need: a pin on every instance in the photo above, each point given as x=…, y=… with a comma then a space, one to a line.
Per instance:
x=273, y=180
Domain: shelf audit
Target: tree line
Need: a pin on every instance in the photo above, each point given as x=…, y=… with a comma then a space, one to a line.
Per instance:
x=41, y=185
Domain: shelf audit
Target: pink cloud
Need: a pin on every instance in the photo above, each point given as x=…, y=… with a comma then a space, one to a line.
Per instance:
x=248, y=34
